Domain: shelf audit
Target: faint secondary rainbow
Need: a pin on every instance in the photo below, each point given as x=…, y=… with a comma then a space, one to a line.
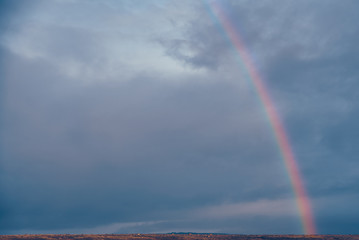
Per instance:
x=301, y=196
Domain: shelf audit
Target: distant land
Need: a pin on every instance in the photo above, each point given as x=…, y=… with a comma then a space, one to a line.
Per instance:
x=173, y=236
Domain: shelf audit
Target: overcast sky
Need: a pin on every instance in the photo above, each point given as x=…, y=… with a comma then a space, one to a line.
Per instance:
x=126, y=116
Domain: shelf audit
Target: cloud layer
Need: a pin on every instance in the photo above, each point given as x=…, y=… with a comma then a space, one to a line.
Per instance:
x=136, y=116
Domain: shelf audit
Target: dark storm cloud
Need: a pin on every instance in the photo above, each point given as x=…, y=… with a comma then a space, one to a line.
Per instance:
x=136, y=117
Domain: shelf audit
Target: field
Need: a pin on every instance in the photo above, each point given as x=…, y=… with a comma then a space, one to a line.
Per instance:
x=175, y=236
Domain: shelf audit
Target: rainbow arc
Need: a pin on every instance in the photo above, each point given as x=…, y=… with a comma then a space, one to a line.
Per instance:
x=301, y=196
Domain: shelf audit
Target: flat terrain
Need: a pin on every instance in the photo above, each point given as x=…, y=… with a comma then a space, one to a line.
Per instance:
x=175, y=236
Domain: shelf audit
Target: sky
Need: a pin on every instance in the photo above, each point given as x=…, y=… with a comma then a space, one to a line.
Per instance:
x=130, y=116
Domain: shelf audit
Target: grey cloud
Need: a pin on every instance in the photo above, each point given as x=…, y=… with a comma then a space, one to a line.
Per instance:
x=142, y=145
x=307, y=29
x=204, y=48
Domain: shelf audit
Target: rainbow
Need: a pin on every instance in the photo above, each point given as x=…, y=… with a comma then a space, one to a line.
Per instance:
x=301, y=196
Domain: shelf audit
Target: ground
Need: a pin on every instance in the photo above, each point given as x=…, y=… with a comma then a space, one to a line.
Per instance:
x=175, y=236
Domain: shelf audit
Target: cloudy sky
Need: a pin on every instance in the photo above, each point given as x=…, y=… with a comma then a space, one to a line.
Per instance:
x=123, y=116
